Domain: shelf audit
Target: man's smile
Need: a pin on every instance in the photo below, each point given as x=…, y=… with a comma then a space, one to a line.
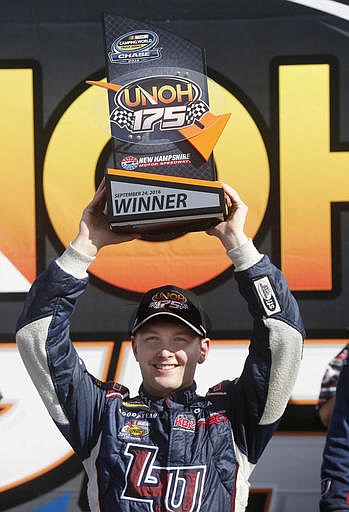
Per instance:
x=165, y=366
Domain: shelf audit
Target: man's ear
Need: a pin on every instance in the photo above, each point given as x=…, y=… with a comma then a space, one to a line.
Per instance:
x=134, y=347
x=204, y=349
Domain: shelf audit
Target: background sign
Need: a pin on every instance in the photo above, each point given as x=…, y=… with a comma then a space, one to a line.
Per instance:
x=282, y=69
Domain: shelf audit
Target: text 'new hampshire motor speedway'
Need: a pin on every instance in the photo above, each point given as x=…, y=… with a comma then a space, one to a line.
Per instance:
x=164, y=158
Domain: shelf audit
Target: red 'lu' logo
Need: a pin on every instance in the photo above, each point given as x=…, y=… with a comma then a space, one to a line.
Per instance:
x=178, y=488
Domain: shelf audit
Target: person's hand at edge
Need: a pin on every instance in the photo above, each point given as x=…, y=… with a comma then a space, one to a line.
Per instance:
x=94, y=232
x=231, y=231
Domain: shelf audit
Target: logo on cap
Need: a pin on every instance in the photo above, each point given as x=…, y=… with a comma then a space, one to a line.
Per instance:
x=168, y=299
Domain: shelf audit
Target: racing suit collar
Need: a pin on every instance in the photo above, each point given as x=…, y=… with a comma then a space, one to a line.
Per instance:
x=183, y=396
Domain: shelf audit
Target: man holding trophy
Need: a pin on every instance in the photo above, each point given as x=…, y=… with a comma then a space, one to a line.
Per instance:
x=167, y=449
x=181, y=451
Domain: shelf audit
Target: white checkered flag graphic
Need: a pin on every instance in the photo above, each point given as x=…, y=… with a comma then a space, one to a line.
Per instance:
x=123, y=118
x=195, y=111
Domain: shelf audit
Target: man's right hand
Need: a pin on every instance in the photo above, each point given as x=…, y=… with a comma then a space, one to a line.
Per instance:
x=94, y=232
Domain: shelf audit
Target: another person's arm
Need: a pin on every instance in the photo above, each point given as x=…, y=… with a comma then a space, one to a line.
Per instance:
x=329, y=381
x=335, y=462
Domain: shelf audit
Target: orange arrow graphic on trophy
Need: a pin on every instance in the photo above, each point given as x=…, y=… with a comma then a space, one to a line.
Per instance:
x=204, y=134
x=106, y=85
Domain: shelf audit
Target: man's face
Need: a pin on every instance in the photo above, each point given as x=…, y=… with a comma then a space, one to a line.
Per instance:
x=167, y=352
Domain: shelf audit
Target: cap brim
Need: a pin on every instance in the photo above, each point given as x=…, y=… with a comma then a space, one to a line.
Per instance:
x=169, y=313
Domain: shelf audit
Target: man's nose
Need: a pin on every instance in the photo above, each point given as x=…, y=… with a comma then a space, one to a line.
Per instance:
x=165, y=351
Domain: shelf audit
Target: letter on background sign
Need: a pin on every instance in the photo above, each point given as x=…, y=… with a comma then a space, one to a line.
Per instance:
x=17, y=185
x=312, y=177
x=30, y=442
x=194, y=258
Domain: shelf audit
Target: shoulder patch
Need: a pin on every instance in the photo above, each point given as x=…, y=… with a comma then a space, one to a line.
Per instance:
x=115, y=390
x=219, y=389
x=267, y=295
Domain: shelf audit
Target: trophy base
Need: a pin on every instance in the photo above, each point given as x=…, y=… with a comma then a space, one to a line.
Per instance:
x=159, y=206
x=168, y=226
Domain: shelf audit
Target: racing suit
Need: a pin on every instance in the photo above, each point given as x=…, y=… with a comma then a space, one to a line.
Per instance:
x=335, y=461
x=331, y=375
x=183, y=452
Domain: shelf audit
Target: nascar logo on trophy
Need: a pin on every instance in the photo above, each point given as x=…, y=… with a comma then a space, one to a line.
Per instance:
x=163, y=133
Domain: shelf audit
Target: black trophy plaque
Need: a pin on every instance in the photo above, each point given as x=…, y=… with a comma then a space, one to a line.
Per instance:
x=163, y=132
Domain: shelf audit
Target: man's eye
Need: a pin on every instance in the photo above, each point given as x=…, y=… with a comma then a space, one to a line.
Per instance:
x=152, y=339
x=181, y=340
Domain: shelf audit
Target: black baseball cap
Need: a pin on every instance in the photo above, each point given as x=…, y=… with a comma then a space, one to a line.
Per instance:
x=172, y=301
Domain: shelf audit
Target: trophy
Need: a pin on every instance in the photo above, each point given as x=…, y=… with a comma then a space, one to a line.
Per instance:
x=164, y=178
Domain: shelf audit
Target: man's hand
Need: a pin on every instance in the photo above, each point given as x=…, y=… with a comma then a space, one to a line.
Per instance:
x=94, y=231
x=231, y=231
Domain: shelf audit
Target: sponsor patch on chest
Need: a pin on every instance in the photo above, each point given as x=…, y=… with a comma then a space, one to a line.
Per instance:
x=214, y=419
x=134, y=429
x=184, y=422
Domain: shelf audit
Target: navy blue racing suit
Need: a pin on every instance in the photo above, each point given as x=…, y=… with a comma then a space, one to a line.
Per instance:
x=184, y=452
